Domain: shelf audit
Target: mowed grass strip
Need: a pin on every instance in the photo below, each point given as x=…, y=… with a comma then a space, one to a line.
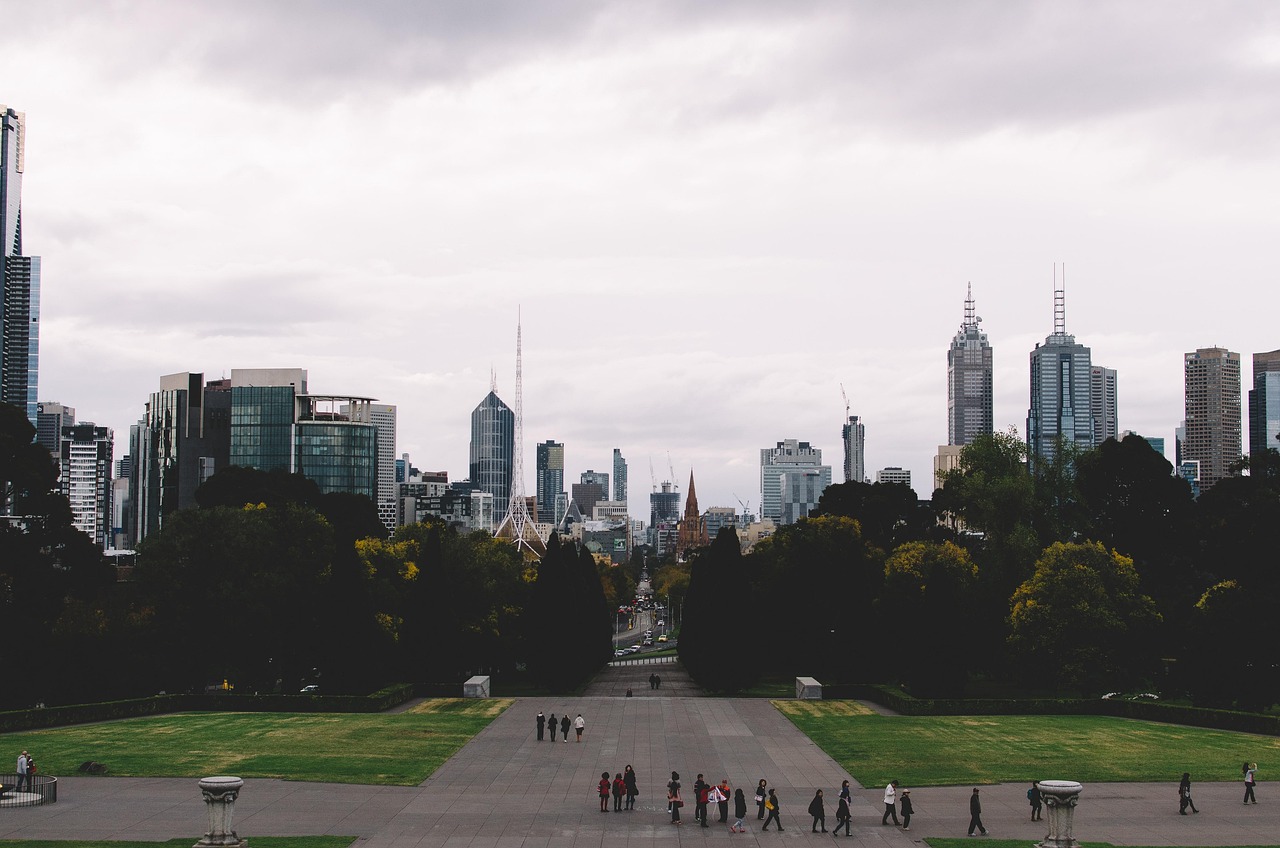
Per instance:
x=399, y=750
x=258, y=842
x=951, y=750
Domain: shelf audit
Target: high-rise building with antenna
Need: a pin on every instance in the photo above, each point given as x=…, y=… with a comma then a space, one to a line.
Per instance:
x=969, y=370
x=1061, y=401
x=19, y=276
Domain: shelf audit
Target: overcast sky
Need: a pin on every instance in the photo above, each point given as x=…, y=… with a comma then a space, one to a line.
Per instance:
x=713, y=215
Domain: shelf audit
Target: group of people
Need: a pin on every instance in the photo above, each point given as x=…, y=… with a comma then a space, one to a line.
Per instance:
x=26, y=768
x=704, y=795
x=655, y=682
x=544, y=722
x=622, y=785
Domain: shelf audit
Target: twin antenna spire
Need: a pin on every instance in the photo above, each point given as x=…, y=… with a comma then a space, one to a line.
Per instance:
x=1059, y=301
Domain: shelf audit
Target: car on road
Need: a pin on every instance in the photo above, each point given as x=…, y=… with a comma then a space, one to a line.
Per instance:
x=620, y=652
x=648, y=640
x=661, y=622
x=662, y=638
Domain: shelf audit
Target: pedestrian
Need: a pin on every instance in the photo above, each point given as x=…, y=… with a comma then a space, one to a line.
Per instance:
x=774, y=806
x=24, y=775
x=845, y=793
x=551, y=722
x=629, y=779
x=603, y=787
x=619, y=787
x=1184, y=795
x=657, y=681
x=674, y=802
x=1036, y=800
x=628, y=691
x=844, y=818
x=653, y=681
x=739, y=812
x=722, y=800
x=906, y=809
x=818, y=810
x=579, y=725
x=541, y=721
x=975, y=813
x=1250, y=778
x=890, y=798
x=701, y=789
x=564, y=726
x=760, y=798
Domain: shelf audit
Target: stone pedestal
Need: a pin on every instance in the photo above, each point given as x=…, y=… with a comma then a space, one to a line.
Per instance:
x=1060, y=796
x=476, y=687
x=808, y=689
x=220, y=795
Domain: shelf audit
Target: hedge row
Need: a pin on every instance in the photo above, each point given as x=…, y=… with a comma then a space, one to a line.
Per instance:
x=18, y=720
x=900, y=702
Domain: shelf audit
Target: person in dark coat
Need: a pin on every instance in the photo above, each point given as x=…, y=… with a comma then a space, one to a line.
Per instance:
x=542, y=723
x=1184, y=795
x=905, y=805
x=629, y=780
x=739, y=812
x=619, y=787
x=722, y=802
x=551, y=722
x=975, y=813
x=564, y=726
x=844, y=818
x=1036, y=800
x=674, y=801
x=774, y=806
x=818, y=810
x=761, y=797
x=700, y=788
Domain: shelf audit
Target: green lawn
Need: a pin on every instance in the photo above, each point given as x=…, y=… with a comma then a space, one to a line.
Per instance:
x=258, y=842
x=951, y=750
x=401, y=750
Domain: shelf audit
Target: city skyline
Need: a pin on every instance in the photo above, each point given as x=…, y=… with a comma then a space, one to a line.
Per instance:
x=714, y=219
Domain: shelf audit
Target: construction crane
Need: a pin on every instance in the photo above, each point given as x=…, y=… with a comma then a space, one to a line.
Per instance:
x=846, y=402
x=653, y=476
x=671, y=468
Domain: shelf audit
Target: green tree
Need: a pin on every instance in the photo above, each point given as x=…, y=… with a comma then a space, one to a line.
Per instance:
x=889, y=514
x=927, y=594
x=1080, y=623
x=1223, y=667
x=715, y=630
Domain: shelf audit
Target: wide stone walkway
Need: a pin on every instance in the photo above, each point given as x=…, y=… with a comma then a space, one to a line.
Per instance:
x=506, y=790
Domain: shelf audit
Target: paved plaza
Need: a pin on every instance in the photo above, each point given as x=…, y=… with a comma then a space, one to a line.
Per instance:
x=504, y=789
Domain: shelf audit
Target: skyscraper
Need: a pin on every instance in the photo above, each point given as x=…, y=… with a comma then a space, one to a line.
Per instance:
x=51, y=417
x=493, y=436
x=85, y=456
x=664, y=518
x=1102, y=403
x=19, y=276
x=1264, y=403
x=619, y=476
x=383, y=416
x=1212, y=391
x=1061, y=399
x=854, y=436
x=550, y=483
x=969, y=369
x=789, y=455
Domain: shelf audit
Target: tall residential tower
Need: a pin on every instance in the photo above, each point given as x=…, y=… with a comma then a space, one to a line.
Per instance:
x=19, y=276
x=1212, y=381
x=969, y=368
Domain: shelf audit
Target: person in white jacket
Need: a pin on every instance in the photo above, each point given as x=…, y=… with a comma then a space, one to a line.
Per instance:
x=890, y=799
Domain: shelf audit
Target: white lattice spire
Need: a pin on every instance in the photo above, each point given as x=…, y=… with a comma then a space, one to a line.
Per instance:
x=517, y=524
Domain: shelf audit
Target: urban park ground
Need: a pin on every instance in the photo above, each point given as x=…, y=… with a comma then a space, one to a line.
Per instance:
x=470, y=774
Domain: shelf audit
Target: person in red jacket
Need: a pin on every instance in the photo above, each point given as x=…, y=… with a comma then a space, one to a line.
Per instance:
x=604, y=791
x=619, y=789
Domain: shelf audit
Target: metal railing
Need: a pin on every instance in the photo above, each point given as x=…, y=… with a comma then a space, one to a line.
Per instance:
x=36, y=789
x=641, y=660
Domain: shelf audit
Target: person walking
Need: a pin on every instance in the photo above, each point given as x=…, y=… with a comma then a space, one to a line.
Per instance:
x=890, y=798
x=674, y=802
x=653, y=683
x=603, y=788
x=845, y=793
x=629, y=780
x=739, y=812
x=722, y=799
x=1250, y=779
x=564, y=726
x=579, y=725
x=24, y=773
x=818, y=810
x=975, y=813
x=906, y=809
x=844, y=818
x=761, y=797
x=619, y=787
x=541, y=721
x=1036, y=800
x=1184, y=795
x=774, y=806
x=551, y=722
